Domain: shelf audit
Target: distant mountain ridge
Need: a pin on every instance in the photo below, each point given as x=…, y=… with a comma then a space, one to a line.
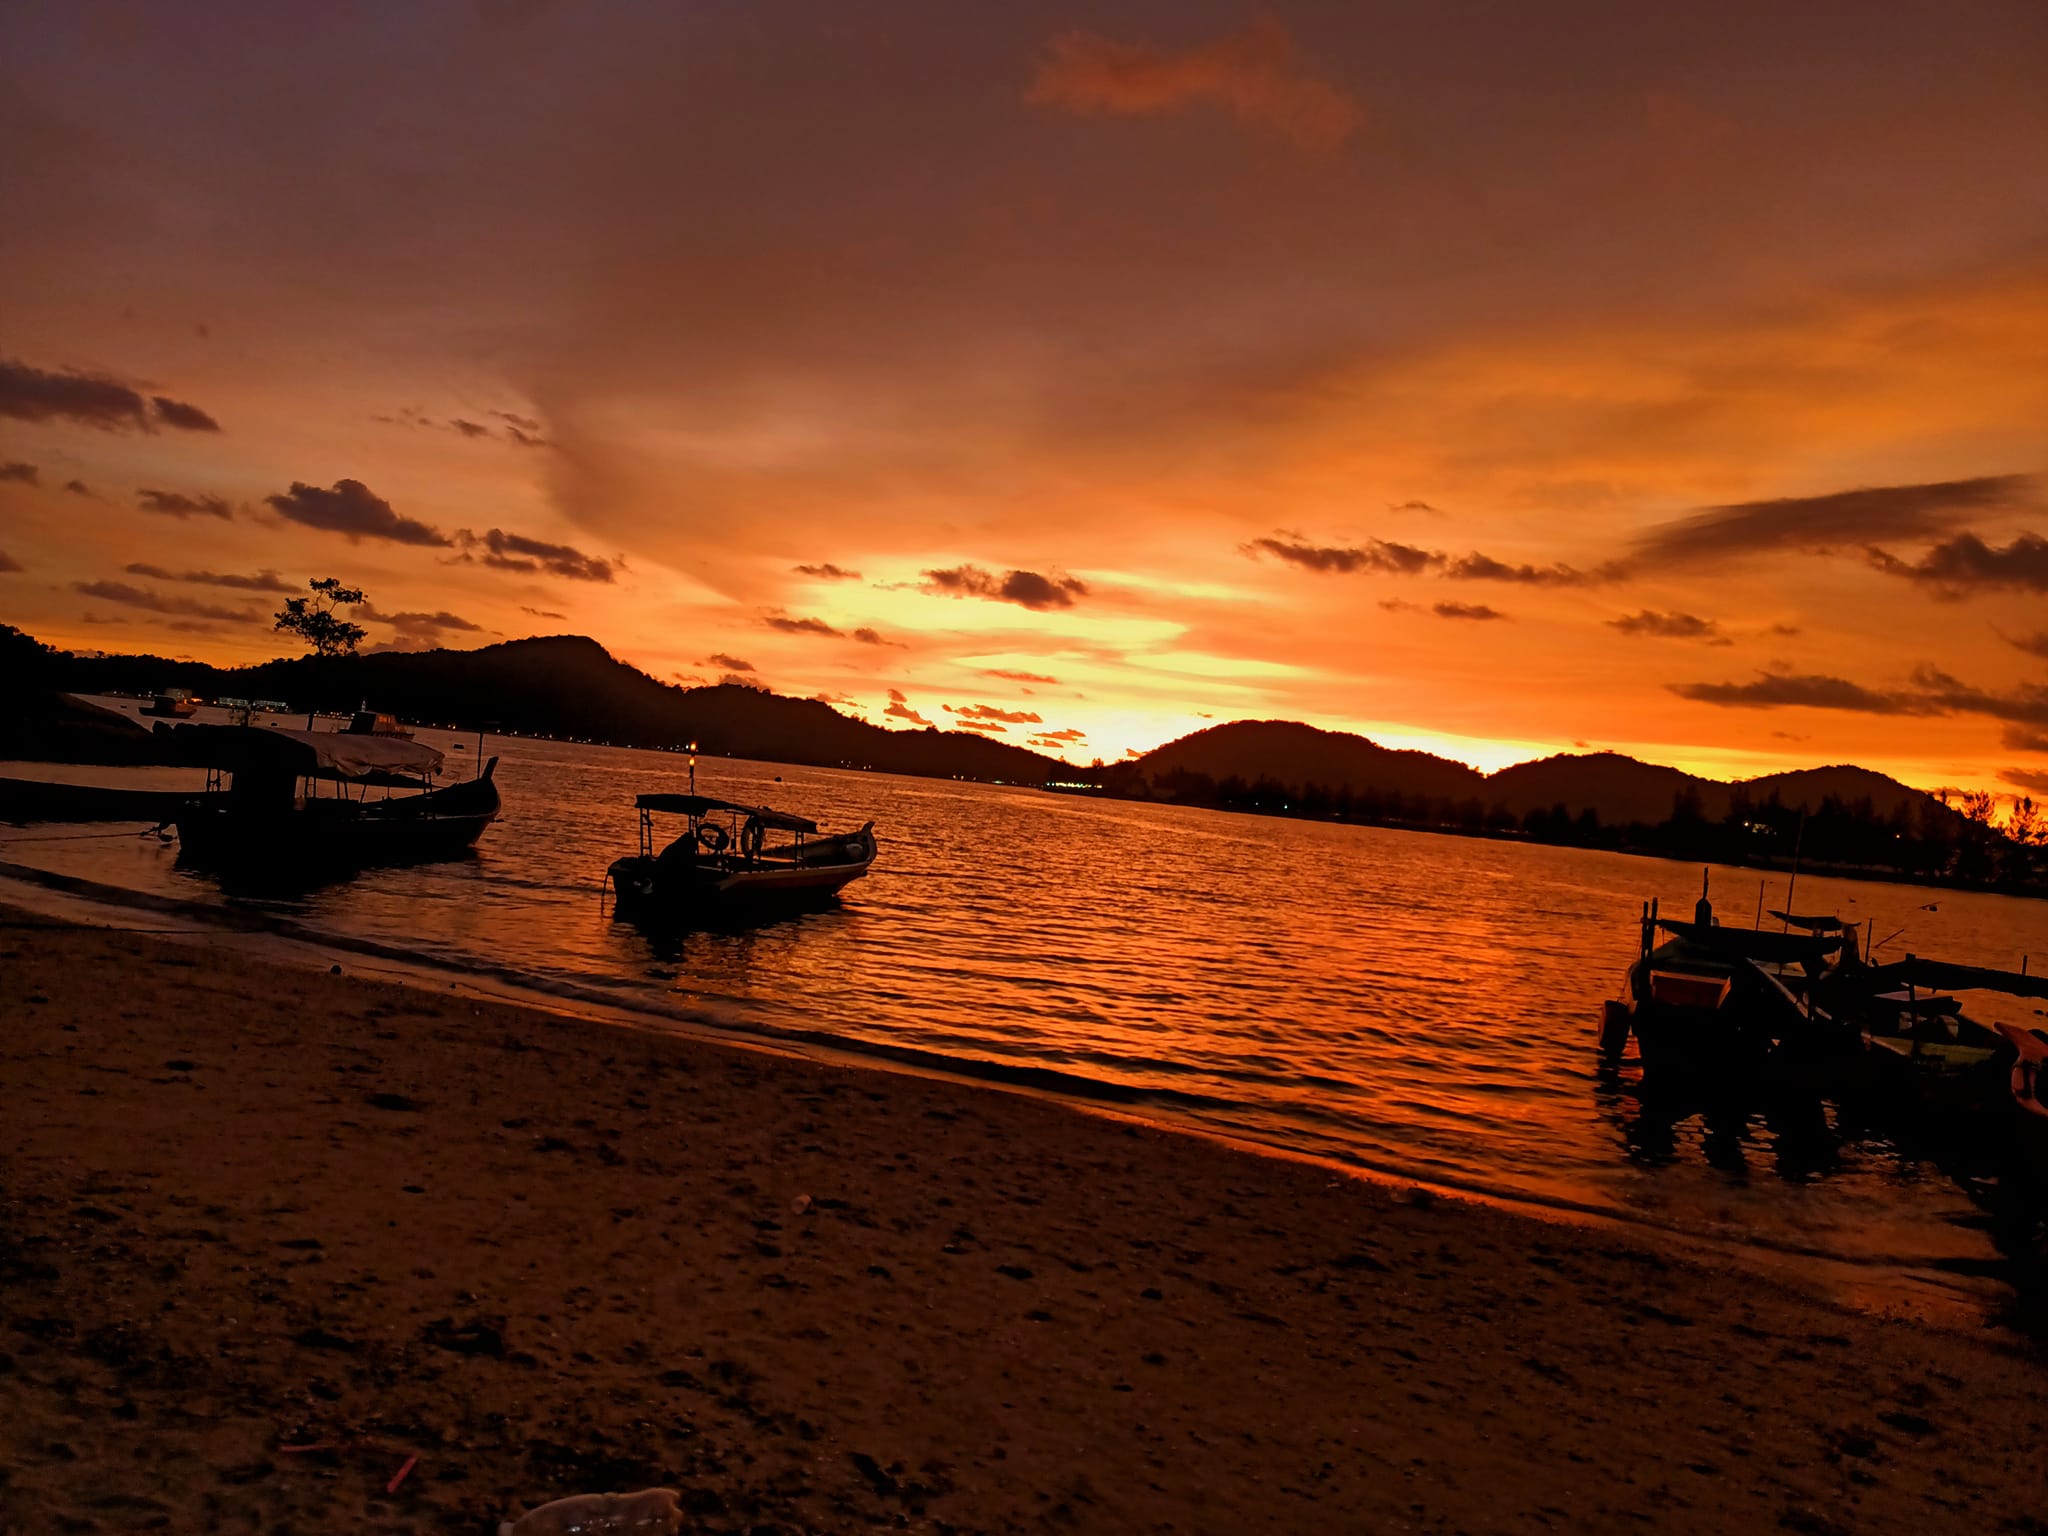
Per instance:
x=571, y=686
x=566, y=686
x=1618, y=789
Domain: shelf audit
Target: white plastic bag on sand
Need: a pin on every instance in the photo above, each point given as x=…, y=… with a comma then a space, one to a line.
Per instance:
x=650, y=1512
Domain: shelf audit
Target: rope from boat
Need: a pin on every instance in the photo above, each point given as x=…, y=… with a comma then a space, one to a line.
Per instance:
x=76, y=837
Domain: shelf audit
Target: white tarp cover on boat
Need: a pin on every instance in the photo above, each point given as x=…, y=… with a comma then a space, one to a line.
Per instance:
x=700, y=805
x=337, y=753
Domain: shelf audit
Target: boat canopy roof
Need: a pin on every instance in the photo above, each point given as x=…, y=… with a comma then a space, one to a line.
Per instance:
x=700, y=805
x=1812, y=922
x=318, y=754
x=1943, y=976
x=1753, y=943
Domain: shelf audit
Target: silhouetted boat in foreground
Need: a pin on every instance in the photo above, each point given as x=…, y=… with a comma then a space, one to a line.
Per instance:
x=320, y=802
x=722, y=860
x=1715, y=1001
x=2028, y=1085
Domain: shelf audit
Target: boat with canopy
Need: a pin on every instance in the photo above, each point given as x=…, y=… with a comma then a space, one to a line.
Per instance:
x=321, y=800
x=723, y=858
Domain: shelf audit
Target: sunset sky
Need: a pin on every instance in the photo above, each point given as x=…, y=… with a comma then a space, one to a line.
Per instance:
x=1498, y=380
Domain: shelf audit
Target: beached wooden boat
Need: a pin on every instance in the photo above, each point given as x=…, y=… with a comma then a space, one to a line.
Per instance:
x=1715, y=1001
x=320, y=801
x=2028, y=1126
x=722, y=859
x=1922, y=1049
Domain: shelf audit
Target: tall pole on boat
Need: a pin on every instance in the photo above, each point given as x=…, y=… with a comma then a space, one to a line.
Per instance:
x=1798, y=842
x=693, y=767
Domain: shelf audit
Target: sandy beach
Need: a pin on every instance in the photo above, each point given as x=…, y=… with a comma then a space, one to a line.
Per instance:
x=272, y=1237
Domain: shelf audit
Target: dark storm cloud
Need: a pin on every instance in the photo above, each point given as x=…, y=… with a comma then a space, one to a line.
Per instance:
x=157, y=602
x=24, y=474
x=178, y=504
x=28, y=393
x=420, y=627
x=1668, y=626
x=1843, y=519
x=1966, y=564
x=1934, y=692
x=789, y=626
x=2027, y=778
x=990, y=712
x=867, y=636
x=2018, y=739
x=352, y=509
x=2025, y=705
x=828, y=572
x=1028, y=589
x=899, y=709
x=523, y=430
x=2035, y=644
x=186, y=418
x=1478, y=567
x=1466, y=611
x=79, y=488
x=262, y=581
x=1373, y=555
x=515, y=552
x=728, y=663
x=1806, y=691
x=1394, y=559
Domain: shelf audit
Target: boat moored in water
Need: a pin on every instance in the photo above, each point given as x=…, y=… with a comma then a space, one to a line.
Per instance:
x=317, y=802
x=1704, y=999
x=723, y=859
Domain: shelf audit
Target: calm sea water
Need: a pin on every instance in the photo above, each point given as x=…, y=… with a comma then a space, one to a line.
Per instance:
x=1415, y=1005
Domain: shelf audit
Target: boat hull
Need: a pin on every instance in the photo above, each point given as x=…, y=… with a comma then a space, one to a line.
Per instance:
x=1720, y=1017
x=652, y=886
x=322, y=836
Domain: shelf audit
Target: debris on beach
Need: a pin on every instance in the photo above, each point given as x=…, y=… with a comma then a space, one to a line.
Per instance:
x=650, y=1512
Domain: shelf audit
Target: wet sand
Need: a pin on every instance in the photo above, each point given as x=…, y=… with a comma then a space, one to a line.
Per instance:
x=246, y=1209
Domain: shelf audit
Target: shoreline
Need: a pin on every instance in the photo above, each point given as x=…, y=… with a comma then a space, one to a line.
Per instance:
x=546, y=1256
x=1884, y=1287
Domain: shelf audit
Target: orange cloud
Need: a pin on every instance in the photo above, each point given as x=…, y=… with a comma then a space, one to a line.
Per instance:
x=1249, y=74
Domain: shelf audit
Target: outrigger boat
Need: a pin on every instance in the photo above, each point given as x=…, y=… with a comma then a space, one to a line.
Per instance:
x=723, y=859
x=1716, y=1000
x=264, y=806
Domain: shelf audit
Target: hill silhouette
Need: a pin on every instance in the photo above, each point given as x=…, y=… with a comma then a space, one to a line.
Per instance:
x=1293, y=755
x=564, y=686
x=569, y=686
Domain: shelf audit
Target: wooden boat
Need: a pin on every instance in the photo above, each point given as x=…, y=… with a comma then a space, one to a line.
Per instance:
x=722, y=859
x=1923, y=1048
x=317, y=802
x=2028, y=1084
x=369, y=722
x=1714, y=1001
